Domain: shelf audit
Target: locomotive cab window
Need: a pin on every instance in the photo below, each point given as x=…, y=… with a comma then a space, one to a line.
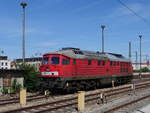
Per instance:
x=45, y=60
x=55, y=60
x=65, y=61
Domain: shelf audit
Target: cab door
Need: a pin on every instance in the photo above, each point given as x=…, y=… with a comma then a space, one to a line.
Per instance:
x=66, y=66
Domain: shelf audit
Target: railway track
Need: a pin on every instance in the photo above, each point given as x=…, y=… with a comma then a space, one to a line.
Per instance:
x=36, y=97
x=127, y=104
x=72, y=102
x=16, y=100
x=137, y=75
x=9, y=99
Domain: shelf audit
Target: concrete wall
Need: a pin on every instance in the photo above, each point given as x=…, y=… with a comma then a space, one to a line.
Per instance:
x=20, y=80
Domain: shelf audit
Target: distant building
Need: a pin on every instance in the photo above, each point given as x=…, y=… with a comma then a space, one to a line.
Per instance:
x=35, y=61
x=136, y=66
x=13, y=65
x=4, y=62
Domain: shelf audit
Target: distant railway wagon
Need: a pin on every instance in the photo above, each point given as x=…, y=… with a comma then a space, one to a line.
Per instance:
x=74, y=69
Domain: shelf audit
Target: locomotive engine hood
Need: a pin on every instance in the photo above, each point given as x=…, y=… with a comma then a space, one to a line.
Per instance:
x=76, y=53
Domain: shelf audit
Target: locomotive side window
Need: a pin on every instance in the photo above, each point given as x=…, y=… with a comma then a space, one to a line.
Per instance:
x=74, y=61
x=103, y=63
x=89, y=62
x=121, y=64
x=111, y=63
x=45, y=60
x=114, y=63
x=117, y=63
x=99, y=62
x=65, y=61
x=55, y=60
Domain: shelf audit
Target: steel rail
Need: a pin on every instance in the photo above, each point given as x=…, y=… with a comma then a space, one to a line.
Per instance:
x=41, y=105
x=57, y=107
x=12, y=101
x=18, y=98
x=111, y=90
x=124, y=105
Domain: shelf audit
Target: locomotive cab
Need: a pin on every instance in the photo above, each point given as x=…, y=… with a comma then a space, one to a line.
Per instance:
x=50, y=67
x=57, y=66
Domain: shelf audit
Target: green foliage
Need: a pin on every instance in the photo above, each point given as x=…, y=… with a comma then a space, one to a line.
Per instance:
x=5, y=90
x=15, y=88
x=31, y=79
x=144, y=69
x=136, y=71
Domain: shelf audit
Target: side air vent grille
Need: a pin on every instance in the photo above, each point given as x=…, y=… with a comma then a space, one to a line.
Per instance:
x=78, y=52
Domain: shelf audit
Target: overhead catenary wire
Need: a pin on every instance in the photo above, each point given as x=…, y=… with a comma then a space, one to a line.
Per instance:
x=136, y=14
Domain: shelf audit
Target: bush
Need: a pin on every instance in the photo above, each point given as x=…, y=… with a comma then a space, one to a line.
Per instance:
x=15, y=88
x=5, y=90
x=144, y=69
x=31, y=79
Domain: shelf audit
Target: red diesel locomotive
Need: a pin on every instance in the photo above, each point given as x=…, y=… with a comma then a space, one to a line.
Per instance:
x=74, y=69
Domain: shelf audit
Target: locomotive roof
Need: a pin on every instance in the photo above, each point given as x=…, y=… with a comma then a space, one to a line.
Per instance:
x=81, y=54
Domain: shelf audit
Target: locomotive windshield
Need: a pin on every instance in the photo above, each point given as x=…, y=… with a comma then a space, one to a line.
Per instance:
x=45, y=60
x=55, y=60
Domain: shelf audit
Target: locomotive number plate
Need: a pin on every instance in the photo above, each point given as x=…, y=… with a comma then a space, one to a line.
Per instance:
x=49, y=73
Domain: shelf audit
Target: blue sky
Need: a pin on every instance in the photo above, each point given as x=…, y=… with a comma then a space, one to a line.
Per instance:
x=53, y=24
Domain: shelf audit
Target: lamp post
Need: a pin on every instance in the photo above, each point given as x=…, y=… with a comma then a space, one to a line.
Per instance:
x=23, y=4
x=136, y=59
x=103, y=27
x=130, y=50
x=140, y=36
